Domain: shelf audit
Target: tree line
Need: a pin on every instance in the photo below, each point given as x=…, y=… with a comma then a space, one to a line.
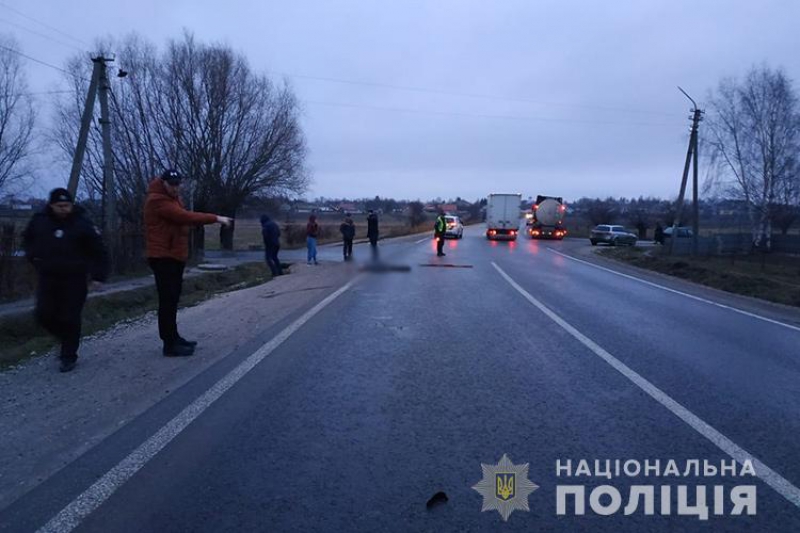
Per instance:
x=201, y=107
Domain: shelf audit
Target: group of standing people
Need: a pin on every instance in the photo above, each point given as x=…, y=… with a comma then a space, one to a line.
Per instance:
x=348, y=230
x=68, y=253
x=69, y=256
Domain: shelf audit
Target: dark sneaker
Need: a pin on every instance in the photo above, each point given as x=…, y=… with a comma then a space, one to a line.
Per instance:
x=67, y=365
x=177, y=350
x=183, y=342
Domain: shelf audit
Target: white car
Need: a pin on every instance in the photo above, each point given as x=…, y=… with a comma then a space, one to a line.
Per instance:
x=453, y=227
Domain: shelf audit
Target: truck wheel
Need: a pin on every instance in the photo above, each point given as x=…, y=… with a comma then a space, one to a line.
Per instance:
x=594, y=242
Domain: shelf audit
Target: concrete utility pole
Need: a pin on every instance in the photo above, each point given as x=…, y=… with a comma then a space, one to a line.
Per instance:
x=86, y=121
x=691, y=156
x=99, y=80
x=109, y=196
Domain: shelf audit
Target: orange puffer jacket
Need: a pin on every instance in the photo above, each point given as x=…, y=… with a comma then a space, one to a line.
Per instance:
x=167, y=223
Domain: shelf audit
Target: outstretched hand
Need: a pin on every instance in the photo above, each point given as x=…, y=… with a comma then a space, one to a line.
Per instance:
x=225, y=221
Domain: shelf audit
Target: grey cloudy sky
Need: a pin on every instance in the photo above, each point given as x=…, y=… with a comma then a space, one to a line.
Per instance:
x=571, y=98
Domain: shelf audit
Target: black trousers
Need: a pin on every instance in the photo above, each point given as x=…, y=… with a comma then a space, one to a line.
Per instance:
x=373, y=243
x=271, y=256
x=169, y=282
x=59, y=304
x=439, y=244
x=347, y=248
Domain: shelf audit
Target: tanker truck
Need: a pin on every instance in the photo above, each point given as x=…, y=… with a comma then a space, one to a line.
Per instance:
x=548, y=218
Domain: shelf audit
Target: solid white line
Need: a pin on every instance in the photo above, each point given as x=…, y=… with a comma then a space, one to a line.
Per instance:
x=769, y=476
x=72, y=515
x=687, y=295
x=422, y=240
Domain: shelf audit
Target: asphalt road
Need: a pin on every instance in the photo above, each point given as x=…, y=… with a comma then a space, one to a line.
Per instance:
x=401, y=385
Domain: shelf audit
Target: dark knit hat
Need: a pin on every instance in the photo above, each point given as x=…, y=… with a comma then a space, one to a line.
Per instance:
x=171, y=176
x=59, y=195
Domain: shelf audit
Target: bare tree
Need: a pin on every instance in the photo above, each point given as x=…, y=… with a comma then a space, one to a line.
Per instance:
x=239, y=133
x=754, y=141
x=17, y=117
x=201, y=109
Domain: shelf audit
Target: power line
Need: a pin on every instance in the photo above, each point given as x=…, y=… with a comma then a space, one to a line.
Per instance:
x=478, y=115
x=475, y=95
x=35, y=93
x=49, y=27
x=34, y=32
x=8, y=48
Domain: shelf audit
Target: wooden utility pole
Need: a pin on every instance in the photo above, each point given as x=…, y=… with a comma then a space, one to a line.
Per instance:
x=691, y=156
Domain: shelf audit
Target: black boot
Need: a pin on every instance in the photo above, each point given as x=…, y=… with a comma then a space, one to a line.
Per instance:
x=67, y=365
x=183, y=342
x=177, y=350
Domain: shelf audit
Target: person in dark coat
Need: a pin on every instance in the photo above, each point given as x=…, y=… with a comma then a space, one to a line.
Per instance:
x=271, y=234
x=659, y=234
x=66, y=249
x=348, y=231
x=372, y=232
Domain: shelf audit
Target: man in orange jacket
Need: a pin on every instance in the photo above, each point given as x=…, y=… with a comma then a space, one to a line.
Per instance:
x=167, y=235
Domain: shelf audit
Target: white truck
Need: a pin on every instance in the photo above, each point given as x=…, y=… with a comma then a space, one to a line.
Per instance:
x=502, y=216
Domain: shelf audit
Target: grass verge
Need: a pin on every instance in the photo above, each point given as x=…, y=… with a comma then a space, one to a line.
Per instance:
x=775, y=278
x=21, y=337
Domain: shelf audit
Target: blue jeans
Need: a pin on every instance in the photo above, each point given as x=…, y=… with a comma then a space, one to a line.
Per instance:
x=311, y=242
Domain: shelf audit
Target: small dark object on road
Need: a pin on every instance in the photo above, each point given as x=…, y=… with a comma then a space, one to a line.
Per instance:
x=440, y=498
x=446, y=265
x=380, y=268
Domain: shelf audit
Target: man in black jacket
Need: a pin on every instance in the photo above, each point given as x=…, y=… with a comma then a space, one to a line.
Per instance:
x=348, y=231
x=271, y=234
x=65, y=248
x=372, y=232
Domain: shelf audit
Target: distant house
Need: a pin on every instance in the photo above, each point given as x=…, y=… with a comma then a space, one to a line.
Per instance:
x=449, y=208
x=347, y=207
x=303, y=207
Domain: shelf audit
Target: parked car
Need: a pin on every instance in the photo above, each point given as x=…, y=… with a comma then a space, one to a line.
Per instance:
x=454, y=227
x=683, y=232
x=612, y=235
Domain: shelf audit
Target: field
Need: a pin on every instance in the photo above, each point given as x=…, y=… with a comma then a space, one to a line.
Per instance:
x=773, y=277
x=247, y=235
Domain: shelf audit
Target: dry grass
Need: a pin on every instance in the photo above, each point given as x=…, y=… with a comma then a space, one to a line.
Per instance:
x=247, y=235
x=772, y=277
x=21, y=336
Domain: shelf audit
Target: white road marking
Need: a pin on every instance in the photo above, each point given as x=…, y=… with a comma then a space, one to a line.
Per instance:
x=88, y=501
x=766, y=474
x=674, y=291
x=422, y=240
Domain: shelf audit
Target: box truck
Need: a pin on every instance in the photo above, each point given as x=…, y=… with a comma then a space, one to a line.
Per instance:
x=502, y=216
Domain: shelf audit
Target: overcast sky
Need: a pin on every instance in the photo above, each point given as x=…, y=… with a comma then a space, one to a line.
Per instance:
x=419, y=99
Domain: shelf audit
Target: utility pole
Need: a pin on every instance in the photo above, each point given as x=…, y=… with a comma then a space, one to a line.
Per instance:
x=98, y=85
x=109, y=196
x=691, y=156
x=86, y=121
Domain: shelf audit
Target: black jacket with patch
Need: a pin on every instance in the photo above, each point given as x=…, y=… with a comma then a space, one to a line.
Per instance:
x=69, y=246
